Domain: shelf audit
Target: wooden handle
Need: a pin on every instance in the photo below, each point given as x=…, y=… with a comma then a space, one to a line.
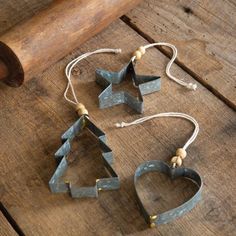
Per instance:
x=3, y=70
x=32, y=46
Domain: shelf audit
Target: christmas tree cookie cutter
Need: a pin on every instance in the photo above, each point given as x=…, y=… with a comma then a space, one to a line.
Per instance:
x=144, y=84
x=57, y=185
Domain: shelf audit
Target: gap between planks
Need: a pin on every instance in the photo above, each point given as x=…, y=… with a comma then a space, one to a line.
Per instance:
x=184, y=67
x=11, y=220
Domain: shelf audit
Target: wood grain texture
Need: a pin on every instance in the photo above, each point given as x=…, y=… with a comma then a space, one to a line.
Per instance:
x=203, y=31
x=33, y=45
x=5, y=227
x=14, y=11
x=36, y=115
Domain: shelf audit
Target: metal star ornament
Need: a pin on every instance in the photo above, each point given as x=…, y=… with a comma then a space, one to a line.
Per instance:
x=145, y=85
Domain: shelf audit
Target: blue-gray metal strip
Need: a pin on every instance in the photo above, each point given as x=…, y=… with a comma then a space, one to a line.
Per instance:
x=145, y=85
x=162, y=167
x=56, y=183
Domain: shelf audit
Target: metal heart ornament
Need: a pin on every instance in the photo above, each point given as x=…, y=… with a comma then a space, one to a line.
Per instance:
x=173, y=173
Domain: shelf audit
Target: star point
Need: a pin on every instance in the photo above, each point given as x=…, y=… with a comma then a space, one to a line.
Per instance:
x=145, y=85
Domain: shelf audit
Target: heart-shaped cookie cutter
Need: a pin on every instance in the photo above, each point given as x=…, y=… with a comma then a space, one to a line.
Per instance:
x=162, y=167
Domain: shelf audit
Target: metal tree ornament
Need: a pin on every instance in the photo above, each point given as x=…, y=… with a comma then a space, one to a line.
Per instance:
x=56, y=184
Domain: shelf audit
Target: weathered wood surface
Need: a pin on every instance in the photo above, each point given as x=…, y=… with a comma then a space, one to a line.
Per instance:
x=40, y=41
x=203, y=31
x=14, y=11
x=32, y=121
x=5, y=228
x=35, y=117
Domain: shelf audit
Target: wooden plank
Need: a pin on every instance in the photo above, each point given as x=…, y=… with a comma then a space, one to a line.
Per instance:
x=13, y=11
x=32, y=121
x=203, y=31
x=5, y=227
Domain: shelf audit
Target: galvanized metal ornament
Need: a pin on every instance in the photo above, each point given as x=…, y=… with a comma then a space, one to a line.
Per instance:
x=57, y=184
x=144, y=84
x=174, y=171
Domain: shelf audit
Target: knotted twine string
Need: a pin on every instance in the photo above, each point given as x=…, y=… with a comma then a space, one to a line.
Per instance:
x=141, y=51
x=71, y=65
x=181, y=152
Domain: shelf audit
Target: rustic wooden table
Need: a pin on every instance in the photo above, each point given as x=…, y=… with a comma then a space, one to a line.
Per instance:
x=33, y=117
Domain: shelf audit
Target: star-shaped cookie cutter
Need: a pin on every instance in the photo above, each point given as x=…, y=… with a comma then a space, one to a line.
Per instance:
x=57, y=185
x=145, y=85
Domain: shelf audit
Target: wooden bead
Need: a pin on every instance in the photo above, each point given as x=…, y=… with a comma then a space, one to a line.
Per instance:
x=79, y=106
x=142, y=50
x=181, y=153
x=82, y=111
x=176, y=160
x=138, y=55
